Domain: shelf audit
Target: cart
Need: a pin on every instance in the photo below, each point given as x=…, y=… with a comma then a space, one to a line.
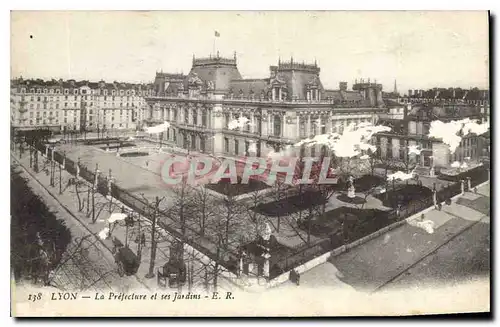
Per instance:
x=173, y=272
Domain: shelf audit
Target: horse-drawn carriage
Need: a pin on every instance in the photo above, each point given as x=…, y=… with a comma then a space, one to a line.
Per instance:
x=126, y=260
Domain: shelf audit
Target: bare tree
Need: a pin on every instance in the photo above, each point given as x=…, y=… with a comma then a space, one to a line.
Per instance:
x=205, y=210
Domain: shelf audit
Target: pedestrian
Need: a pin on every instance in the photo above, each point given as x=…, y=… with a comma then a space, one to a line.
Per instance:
x=147, y=163
x=143, y=239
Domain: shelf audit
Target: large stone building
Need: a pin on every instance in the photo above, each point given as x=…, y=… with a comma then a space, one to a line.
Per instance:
x=77, y=105
x=288, y=105
x=410, y=127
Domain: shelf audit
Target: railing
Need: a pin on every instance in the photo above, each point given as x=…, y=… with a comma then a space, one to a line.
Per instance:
x=145, y=209
x=266, y=101
x=334, y=240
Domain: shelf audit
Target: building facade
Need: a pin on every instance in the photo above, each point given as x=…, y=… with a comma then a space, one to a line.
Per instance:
x=411, y=128
x=288, y=105
x=77, y=105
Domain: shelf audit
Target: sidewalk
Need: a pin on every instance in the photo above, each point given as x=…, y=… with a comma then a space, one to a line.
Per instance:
x=69, y=200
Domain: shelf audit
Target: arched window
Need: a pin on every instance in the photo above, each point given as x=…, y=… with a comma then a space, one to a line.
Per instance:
x=277, y=125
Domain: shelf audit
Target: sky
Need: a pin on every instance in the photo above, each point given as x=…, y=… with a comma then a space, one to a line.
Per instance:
x=418, y=49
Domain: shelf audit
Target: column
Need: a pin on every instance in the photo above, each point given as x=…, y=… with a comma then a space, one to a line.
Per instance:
x=270, y=124
x=308, y=127
x=252, y=122
x=297, y=134
x=279, y=92
x=274, y=94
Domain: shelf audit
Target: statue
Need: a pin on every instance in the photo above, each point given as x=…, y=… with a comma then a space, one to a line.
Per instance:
x=266, y=234
x=351, y=191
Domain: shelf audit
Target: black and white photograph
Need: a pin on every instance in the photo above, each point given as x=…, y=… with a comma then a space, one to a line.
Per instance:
x=249, y=163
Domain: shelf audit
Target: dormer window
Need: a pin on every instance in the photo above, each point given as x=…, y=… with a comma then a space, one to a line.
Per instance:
x=51, y=91
x=44, y=90
x=38, y=91
x=75, y=92
x=23, y=90
x=66, y=91
x=58, y=91
x=32, y=90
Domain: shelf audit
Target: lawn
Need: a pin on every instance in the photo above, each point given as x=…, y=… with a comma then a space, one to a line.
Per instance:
x=358, y=222
x=404, y=195
x=362, y=184
x=225, y=187
x=291, y=204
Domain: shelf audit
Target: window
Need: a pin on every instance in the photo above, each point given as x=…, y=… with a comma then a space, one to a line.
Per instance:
x=204, y=119
x=186, y=115
x=247, y=126
x=314, y=126
x=277, y=125
x=401, y=153
x=226, y=144
x=202, y=144
x=236, y=146
x=195, y=117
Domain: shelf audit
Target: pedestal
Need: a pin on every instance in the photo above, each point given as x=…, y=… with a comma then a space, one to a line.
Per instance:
x=434, y=198
x=240, y=267
x=266, y=264
x=432, y=172
x=468, y=184
x=462, y=186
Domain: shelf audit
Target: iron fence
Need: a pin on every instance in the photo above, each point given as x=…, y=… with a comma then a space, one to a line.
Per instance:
x=278, y=265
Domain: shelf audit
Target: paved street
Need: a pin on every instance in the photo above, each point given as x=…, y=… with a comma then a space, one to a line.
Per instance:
x=456, y=251
x=98, y=272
